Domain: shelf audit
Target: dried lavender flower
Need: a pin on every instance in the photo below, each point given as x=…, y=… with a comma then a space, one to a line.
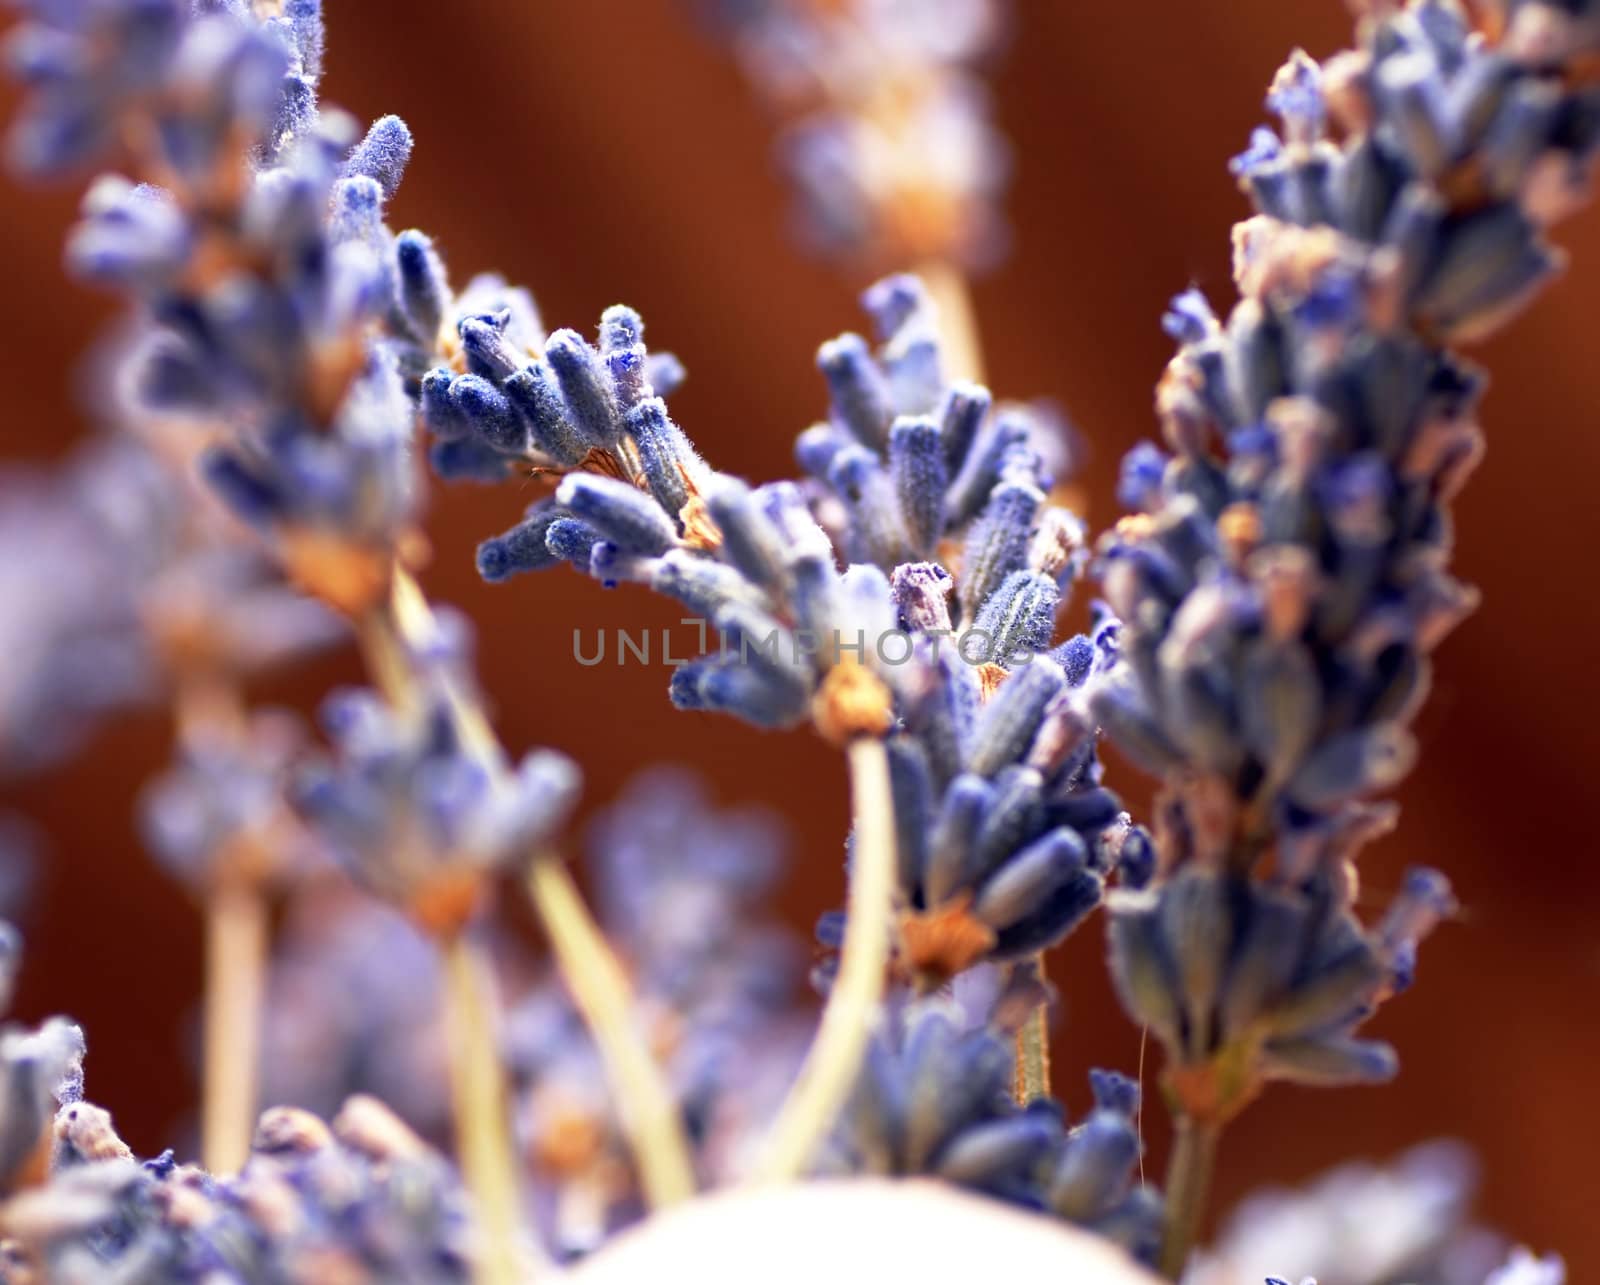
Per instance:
x=364, y=1199
x=1287, y=578
x=416, y=813
x=761, y=564
x=220, y=811
x=935, y=1098
x=40, y=1069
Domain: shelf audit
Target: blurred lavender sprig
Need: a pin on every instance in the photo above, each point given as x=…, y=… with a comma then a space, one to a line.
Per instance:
x=254, y=252
x=683, y=891
x=888, y=129
x=125, y=585
x=1368, y=1224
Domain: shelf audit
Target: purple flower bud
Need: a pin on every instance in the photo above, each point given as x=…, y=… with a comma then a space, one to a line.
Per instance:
x=859, y=396
x=533, y=391
x=916, y=463
x=489, y=414
x=587, y=388
x=619, y=512
x=382, y=154
x=523, y=548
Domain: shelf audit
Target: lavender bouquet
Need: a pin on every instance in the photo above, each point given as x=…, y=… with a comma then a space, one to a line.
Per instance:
x=290, y=371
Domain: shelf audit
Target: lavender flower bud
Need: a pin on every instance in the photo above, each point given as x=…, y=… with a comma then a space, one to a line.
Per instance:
x=532, y=390
x=998, y=1147
x=468, y=459
x=817, y=447
x=671, y=468
x=440, y=415
x=1008, y=725
x=1356, y=763
x=702, y=586
x=622, y=347
x=664, y=373
x=869, y=493
x=971, y=488
x=490, y=415
x=758, y=695
x=1017, y=816
x=619, y=512
x=912, y=783
x=488, y=352
x=916, y=463
x=1031, y=879
x=750, y=540
x=382, y=154
x=572, y=541
x=523, y=548
x=961, y=417
x=1331, y=1062
x=949, y=866
x=586, y=386
x=1020, y=616
x=1098, y=1159
x=921, y=595
x=422, y=288
x=997, y=545
x=131, y=236
x=860, y=399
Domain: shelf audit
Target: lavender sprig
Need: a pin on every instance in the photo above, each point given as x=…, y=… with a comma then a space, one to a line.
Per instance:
x=1286, y=578
x=1024, y=854
x=976, y=780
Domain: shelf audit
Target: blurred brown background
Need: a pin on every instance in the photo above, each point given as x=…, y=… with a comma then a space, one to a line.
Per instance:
x=600, y=153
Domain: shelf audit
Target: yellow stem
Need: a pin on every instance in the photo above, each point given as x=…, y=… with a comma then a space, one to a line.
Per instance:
x=834, y=1060
x=385, y=658
x=958, y=322
x=482, y=1117
x=236, y=954
x=649, y=1112
x=410, y=616
x=1033, y=1051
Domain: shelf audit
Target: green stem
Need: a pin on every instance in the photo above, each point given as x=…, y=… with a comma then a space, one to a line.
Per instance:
x=649, y=1112
x=834, y=1061
x=1194, y=1155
